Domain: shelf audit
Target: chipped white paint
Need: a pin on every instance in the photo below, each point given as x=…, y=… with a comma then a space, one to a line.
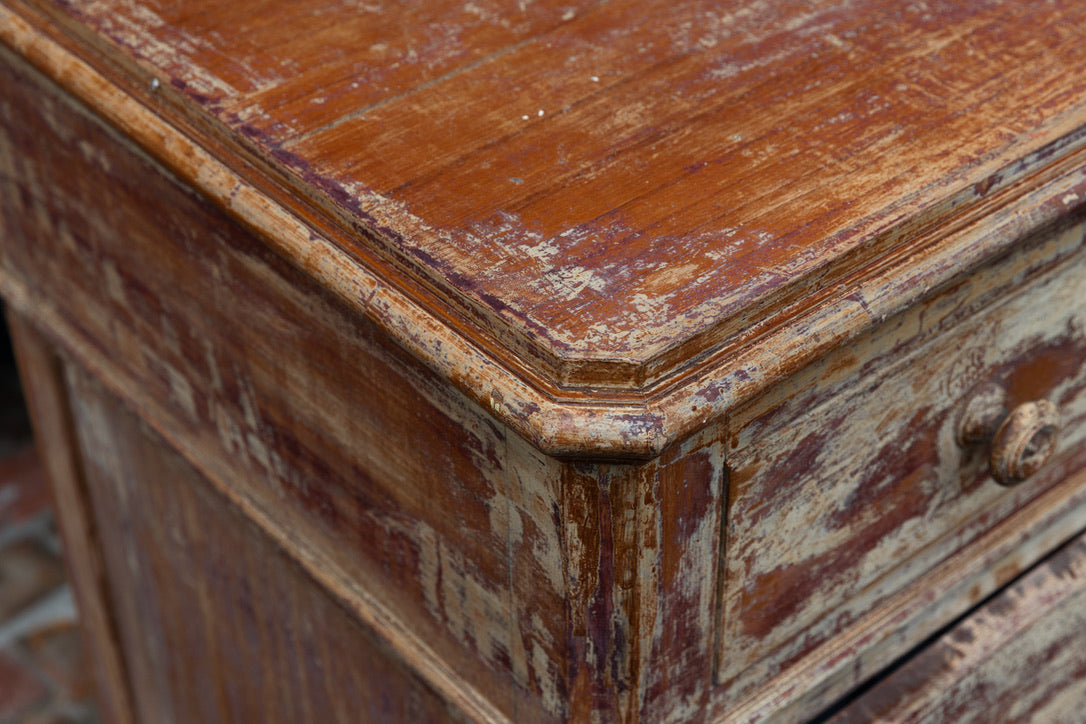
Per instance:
x=482, y=616
x=976, y=668
x=850, y=432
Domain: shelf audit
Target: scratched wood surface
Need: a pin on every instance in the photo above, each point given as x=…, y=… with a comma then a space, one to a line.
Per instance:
x=1021, y=657
x=314, y=417
x=627, y=183
x=402, y=470
x=521, y=587
x=519, y=383
x=848, y=485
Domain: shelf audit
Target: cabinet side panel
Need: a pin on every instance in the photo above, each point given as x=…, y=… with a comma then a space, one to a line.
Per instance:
x=366, y=464
x=220, y=625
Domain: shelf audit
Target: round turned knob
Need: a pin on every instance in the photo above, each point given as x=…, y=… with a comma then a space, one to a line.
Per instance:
x=1024, y=442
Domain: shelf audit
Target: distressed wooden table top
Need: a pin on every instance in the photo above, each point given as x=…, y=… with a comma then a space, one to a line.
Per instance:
x=627, y=184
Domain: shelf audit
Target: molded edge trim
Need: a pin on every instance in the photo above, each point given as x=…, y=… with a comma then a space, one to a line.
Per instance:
x=611, y=428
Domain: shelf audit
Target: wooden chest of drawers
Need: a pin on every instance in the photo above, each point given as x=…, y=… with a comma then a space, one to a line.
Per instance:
x=557, y=362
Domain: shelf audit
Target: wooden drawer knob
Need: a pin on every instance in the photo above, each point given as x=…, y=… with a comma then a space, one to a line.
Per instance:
x=1024, y=442
x=1021, y=440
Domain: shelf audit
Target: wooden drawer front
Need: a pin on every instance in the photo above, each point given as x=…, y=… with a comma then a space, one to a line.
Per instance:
x=1021, y=657
x=849, y=490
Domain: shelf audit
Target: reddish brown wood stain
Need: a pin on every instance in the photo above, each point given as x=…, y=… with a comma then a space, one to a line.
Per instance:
x=658, y=195
x=582, y=361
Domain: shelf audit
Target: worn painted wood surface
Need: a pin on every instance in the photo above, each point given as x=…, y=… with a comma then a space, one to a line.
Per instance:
x=662, y=429
x=520, y=383
x=852, y=485
x=1021, y=657
x=520, y=587
x=609, y=181
x=643, y=540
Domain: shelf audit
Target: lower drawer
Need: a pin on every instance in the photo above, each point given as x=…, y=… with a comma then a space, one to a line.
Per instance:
x=1020, y=657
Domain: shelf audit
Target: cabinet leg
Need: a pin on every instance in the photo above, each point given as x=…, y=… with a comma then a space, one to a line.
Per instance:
x=50, y=412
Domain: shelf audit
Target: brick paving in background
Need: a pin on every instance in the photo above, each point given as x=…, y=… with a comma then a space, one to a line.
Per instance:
x=44, y=675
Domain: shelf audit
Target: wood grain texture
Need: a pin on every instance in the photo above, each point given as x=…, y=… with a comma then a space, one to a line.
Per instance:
x=579, y=408
x=1018, y=658
x=640, y=433
x=519, y=586
x=852, y=486
x=476, y=140
x=644, y=218
x=47, y=396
